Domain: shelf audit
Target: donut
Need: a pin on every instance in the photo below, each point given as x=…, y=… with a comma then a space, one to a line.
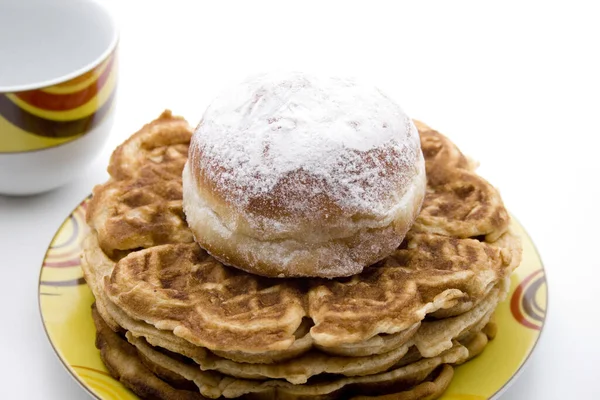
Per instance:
x=299, y=175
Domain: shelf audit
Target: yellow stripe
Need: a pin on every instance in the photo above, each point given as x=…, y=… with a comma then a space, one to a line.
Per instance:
x=68, y=115
x=15, y=139
x=61, y=274
x=67, y=89
x=106, y=386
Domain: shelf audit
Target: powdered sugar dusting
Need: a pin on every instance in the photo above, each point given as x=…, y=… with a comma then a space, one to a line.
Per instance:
x=304, y=137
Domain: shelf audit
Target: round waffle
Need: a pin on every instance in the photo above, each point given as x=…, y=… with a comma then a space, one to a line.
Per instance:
x=141, y=205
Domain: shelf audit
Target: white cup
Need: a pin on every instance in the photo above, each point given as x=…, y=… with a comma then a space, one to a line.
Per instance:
x=58, y=78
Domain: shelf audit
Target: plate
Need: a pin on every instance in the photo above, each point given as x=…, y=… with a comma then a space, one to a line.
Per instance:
x=65, y=302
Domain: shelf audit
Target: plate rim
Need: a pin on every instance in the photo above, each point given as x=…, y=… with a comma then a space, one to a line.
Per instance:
x=522, y=367
x=57, y=353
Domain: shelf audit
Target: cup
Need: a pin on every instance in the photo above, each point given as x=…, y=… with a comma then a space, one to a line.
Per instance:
x=58, y=77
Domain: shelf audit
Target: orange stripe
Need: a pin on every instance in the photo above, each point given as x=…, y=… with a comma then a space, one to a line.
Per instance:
x=62, y=102
x=76, y=84
x=83, y=77
x=63, y=264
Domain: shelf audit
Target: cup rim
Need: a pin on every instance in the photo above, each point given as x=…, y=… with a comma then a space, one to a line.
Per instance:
x=88, y=67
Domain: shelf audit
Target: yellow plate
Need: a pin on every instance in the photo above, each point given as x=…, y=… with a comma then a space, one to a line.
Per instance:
x=65, y=302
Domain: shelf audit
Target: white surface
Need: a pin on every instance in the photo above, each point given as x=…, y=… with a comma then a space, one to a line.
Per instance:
x=516, y=85
x=47, y=42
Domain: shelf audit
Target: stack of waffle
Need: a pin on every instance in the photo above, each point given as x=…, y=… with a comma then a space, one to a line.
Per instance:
x=174, y=323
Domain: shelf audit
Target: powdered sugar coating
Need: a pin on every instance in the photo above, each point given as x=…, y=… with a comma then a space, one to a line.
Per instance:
x=287, y=141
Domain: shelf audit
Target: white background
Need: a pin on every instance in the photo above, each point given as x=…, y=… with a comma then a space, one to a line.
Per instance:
x=515, y=85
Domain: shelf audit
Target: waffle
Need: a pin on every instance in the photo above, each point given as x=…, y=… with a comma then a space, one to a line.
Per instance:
x=139, y=366
x=430, y=338
x=440, y=154
x=182, y=289
x=393, y=328
x=141, y=205
x=458, y=203
x=137, y=293
x=124, y=364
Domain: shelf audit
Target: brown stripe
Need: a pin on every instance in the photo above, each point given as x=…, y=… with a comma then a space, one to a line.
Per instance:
x=529, y=298
x=70, y=282
x=91, y=369
x=48, y=128
x=62, y=102
x=73, y=236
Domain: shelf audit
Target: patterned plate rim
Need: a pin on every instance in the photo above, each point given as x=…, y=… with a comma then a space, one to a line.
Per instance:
x=63, y=362
x=522, y=367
